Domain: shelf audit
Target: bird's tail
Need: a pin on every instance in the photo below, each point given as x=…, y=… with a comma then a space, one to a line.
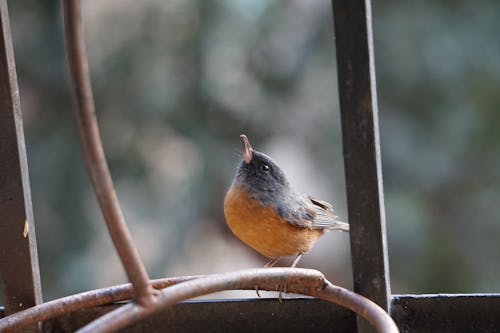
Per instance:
x=339, y=225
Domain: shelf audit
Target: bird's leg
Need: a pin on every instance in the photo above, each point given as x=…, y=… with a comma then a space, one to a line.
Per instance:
x=297, y=259
x=281, y=288
x=272, y=262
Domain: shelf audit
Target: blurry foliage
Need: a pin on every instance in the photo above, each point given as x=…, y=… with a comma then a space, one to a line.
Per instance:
x=439, y=77
x=175, y=83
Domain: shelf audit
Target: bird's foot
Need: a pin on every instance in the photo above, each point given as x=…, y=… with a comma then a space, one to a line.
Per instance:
x=257, y=290
x=281, y=288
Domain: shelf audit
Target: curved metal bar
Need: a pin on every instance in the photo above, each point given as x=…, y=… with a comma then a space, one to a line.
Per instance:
x=88, y=299
x=295, y=280
x=94, y=153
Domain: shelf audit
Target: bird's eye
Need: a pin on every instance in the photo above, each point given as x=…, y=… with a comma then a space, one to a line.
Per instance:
x=265, y=167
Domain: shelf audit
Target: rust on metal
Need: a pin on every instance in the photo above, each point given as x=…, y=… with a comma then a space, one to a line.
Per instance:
x=18, y=256
x=295, y=280
x=88, y=299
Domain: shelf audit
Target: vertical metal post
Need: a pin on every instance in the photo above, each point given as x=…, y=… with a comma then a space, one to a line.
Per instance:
x=359, y=114
x=18, y=254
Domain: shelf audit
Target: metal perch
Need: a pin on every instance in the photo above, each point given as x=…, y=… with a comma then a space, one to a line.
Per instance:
x=300, y=281
x=147, y=300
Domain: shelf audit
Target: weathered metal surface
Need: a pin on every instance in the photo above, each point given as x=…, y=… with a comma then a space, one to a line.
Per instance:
x=254, y=315
x=89, y=299
x=18, y=254
x=296, y=280
x=447, y=313
x=412, y=313
x=359, y=114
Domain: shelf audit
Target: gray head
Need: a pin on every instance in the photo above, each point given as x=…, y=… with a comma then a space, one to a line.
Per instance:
x=260, y=175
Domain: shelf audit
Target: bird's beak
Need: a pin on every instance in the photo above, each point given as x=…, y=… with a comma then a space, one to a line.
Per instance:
x=247, y=149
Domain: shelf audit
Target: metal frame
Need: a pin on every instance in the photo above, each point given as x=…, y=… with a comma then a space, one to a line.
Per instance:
x=412, y=313
x=357, y=92
x=363, y=170
x=18, y=257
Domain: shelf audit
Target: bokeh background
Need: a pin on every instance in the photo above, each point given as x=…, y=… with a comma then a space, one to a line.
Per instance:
x=177, y=81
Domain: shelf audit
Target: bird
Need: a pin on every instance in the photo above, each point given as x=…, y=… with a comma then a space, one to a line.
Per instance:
x=266, y=213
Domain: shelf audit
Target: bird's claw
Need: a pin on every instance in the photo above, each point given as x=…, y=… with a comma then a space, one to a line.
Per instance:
x=257, y=290
x=281, y=288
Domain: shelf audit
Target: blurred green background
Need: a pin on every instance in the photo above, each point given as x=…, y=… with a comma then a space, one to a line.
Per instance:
x=177, y=81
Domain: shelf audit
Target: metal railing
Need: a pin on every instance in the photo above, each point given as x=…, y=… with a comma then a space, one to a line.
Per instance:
x=24, y=306
x=357, y=92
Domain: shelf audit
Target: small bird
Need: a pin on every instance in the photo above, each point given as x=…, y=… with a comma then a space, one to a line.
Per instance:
x=266, y=213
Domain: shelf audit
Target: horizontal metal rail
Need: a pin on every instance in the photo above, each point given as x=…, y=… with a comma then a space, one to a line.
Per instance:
x=412, y=313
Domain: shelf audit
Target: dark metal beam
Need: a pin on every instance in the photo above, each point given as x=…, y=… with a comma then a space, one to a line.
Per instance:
x=249, y=315
x=447, y=313
x=412, y=313
x=18, y=254
x=359, y=114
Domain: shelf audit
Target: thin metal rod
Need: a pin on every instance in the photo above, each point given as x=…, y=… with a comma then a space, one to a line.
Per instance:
x=94, y=153
x=19, y=269
x=88, y=299
x=295, y=280
x=363, y=170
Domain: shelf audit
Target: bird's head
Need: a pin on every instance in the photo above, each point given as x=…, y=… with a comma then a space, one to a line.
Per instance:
x=258, y=172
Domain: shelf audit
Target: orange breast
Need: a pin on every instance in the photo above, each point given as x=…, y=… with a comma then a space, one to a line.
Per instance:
x=261, y=228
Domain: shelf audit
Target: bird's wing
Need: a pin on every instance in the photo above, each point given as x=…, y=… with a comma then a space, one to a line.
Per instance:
x=316, y=214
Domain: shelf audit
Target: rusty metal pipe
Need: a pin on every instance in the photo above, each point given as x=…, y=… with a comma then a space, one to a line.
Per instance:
x=88, y=299
x=294, y=280
x=94, y=153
